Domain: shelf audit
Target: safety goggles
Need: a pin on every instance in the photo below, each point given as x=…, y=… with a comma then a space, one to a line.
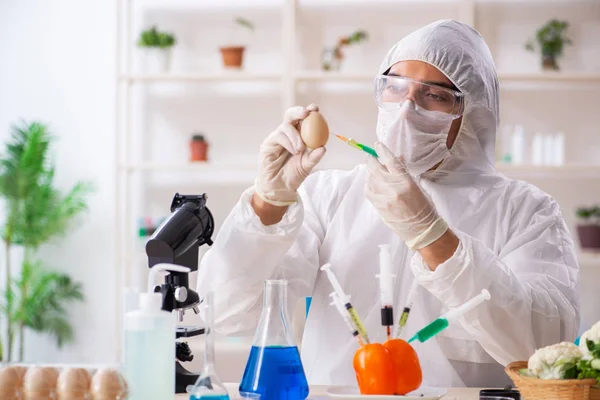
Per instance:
x=391, y=92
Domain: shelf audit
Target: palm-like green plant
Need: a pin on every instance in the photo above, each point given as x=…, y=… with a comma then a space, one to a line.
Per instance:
x=41, y=297
x=37, y=212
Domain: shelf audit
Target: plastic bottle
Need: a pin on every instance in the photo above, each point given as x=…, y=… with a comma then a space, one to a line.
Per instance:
x=506, y=145
x=537, y=148
x=274, y=369
x=549, y=150
x=150, y=344
x=559, y=149
x=518, y=145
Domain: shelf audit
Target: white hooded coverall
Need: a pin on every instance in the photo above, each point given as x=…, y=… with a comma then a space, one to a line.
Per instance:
x=513, y=242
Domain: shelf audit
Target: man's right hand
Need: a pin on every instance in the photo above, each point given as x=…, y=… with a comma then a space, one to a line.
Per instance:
x=285, y=162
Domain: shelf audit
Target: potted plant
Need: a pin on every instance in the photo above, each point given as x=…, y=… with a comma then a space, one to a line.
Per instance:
x=589, y=229
x=233, y=54
x=332, y=58
x=551, y=40
x=156, y=49
x=35, y=298
x=198, y=148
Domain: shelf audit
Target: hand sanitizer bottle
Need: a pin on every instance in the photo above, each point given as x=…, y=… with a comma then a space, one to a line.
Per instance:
x=150, y=344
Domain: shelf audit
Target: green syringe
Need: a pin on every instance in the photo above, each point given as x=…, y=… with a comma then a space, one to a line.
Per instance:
x=442, y=322
x=358, y=146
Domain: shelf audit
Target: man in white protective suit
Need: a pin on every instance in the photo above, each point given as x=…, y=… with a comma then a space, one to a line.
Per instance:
x=454, y=224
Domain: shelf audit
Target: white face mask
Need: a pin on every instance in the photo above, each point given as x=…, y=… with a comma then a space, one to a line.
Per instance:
x=417, y=135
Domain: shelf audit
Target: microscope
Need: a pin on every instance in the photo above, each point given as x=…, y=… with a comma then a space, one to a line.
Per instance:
x=177, y=241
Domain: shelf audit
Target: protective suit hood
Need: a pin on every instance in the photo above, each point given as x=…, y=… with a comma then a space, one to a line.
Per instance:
x=459, y=52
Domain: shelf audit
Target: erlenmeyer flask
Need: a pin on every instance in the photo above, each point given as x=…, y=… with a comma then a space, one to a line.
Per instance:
x=208, y=386
x=274, y=369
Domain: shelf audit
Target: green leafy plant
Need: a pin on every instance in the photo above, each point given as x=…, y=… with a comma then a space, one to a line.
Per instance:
x=244, y=23
x=36, y=213
x=551, y=39
x=154, y=38
x=590, y=368
x=588, y=213
x=333, y=57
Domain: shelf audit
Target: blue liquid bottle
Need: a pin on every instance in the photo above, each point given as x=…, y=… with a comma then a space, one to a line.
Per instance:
x=274, y=369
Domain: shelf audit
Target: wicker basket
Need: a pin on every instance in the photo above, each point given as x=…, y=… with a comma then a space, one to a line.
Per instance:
x=560, y=389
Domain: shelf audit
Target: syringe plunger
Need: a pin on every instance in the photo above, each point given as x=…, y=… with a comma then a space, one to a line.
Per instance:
x=458, y=312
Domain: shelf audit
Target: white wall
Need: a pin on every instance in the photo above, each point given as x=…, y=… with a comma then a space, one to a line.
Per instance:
x=56, y=65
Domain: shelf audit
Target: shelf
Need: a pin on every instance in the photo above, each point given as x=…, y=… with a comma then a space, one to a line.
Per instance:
x=361, y=77
x=204, y=172
x=535, y=2
x=507, y=77
x=235, y=5
x=241, y=172
x=218, y=76
x=568, y=171
x=583, y=77
x=334, y=76
x=588, y=259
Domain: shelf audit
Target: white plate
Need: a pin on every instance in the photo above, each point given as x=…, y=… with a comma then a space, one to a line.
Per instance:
x=352, y=393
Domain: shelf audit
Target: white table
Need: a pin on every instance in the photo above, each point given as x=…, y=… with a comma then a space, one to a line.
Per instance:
x=318, y=392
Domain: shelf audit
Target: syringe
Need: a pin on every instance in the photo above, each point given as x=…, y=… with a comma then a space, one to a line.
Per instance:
x=335, y=300
x=407, y=308
x=386, y=288
x=345, y=299
x=442, y=322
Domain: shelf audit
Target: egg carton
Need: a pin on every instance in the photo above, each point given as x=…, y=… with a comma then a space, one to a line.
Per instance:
x=29, y=382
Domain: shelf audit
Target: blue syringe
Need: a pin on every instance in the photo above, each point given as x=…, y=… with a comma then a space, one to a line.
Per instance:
x=442, y=322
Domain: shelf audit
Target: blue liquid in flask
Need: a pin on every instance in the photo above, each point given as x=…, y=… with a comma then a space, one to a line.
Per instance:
x=276, y=373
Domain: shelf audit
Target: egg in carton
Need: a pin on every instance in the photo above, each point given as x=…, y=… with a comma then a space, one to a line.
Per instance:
x=74, y=384
x=40, y=383
x=11, y=382
x=108, y=384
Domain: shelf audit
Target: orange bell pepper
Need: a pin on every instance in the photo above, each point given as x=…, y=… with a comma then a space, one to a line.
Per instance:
x=389, y=369
x=406, y=365
x=374, y=369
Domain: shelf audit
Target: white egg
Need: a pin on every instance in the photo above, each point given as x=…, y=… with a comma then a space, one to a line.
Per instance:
x=314, y=130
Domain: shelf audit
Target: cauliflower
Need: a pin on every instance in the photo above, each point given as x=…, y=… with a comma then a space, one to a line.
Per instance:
x=558, y=361
x=592, y=334
x=589, y=344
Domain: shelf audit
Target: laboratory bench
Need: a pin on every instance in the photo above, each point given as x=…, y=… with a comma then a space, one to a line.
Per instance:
x=318, y=393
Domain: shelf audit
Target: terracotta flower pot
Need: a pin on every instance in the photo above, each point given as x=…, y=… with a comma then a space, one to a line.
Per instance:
x=233, y=56
x=589, y=236
x=549, y=62
x=198, y=149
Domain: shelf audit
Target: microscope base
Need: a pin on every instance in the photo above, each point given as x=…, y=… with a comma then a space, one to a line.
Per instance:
x=183, y=378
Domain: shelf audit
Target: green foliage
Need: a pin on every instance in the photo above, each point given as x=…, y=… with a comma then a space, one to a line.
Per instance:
x=37, y=212
x=586, y=213
x=245, y=23
x=590, y=369
x=357, y=37
x=154, y=38
x=551, y=38
x=41, y=299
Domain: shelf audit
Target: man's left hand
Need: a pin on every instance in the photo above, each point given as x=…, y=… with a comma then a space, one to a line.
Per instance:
x=401, y=202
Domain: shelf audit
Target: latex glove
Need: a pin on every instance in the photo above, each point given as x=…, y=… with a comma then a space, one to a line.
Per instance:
x=285, y=161
x=401, y=202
